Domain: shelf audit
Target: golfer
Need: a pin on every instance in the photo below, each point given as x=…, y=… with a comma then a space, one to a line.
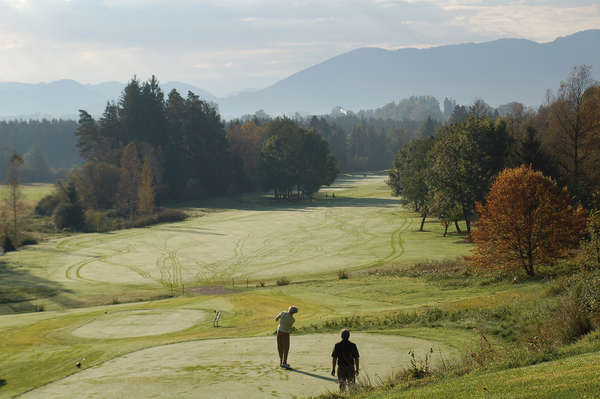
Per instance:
x=286, y=320
x=345, y=354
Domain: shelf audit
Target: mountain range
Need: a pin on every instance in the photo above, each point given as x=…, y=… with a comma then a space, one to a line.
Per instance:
x=499, y=72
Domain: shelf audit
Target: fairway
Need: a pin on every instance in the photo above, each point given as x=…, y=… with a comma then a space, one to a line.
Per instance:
x=363, y=226
x=235, y=368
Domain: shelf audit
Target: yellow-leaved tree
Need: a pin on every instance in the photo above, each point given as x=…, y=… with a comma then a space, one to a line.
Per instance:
x=145, y=204
x=527, y=220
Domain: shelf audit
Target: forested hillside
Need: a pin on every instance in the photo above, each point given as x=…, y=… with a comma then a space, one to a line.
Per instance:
x=46, y=145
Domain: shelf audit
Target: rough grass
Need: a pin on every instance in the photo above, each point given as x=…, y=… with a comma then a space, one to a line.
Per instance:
x=573, y=377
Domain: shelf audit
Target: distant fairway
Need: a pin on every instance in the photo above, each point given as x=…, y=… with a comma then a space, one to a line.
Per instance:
x=260, y=240
x=32, y=193
x=235, y=368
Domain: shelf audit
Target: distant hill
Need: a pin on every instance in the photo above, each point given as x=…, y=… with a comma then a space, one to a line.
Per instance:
x=499, y=72
x=63, y=98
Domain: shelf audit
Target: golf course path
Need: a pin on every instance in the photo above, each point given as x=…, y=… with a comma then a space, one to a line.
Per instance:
x=236, y=368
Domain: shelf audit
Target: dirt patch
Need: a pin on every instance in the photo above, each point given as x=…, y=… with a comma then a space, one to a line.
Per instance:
x=210, y=290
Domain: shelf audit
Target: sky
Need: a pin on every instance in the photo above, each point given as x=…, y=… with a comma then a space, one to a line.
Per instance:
x=224, y=46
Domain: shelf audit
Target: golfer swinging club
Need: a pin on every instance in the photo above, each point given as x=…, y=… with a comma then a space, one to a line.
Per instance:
x=286, y=320
x=345, y=354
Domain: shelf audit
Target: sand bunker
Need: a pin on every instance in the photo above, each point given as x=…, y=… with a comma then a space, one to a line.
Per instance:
x=140, y=323
x=235, y=368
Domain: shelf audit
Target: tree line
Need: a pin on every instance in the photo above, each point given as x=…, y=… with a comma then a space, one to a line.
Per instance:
x=447, y=174
x=358, y=142
x=46, y=146
x=148, y=148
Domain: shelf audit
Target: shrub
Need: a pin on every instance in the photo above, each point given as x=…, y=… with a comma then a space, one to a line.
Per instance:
x=145, y=220
x=579, y=312
x=98, y=221
x=26, y=239
x=165, y=215
x=283, y=281
x=343, y=275
x=47, y=205
x=571, y=321
x=419, y=368
x=591, y=247
x=7, y=245
x=69, y=215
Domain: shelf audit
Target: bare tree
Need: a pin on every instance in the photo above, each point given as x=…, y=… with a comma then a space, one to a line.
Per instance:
x=12, y=197
x=572, y=125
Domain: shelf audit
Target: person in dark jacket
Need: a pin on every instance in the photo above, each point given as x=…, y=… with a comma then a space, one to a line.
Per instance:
x=345, y=354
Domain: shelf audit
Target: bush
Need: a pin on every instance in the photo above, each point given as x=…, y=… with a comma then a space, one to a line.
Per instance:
x=283, y=281
x=47, y=205
x=343, y=275
x=98, y=221
x=163, y=215
x=572, y=321
x=26, y=239
x=7, y=245
x=68, y=215
x=578, y=312
x=591, y=246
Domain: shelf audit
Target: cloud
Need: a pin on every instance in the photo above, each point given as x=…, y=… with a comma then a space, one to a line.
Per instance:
x=226, y=45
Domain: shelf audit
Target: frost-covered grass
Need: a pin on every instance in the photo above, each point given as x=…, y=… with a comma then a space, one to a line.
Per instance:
x=255, y=239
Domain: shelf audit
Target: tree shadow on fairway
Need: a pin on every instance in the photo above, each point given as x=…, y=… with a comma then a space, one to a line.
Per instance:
x=320, y=377
x=20, y=290
x=2, y=383
x=189, y=230
x=270, y=204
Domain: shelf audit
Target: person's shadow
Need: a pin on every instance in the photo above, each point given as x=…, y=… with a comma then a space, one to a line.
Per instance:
x=313, y=375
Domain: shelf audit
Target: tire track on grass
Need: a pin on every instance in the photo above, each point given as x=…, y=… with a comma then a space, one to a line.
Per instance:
x=73, y=272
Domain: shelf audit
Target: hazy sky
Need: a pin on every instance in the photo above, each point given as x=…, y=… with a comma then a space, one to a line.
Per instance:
x=228, y=45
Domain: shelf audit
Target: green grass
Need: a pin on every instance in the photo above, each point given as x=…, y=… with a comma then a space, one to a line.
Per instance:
x=573, y=377
x=253, y=238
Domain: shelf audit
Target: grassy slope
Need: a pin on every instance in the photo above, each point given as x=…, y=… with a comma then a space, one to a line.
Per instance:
x=572, y=377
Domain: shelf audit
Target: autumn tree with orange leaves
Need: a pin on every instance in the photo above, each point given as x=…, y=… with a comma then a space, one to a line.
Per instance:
x=527, y=220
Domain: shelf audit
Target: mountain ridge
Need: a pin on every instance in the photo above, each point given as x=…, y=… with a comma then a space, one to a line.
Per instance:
x=498, y=71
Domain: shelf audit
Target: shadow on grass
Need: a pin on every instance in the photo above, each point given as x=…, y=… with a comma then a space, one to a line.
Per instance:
x=320, y=377
x=188, y=230
x=2, y=383
x=269, y=204
x=20, y=289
